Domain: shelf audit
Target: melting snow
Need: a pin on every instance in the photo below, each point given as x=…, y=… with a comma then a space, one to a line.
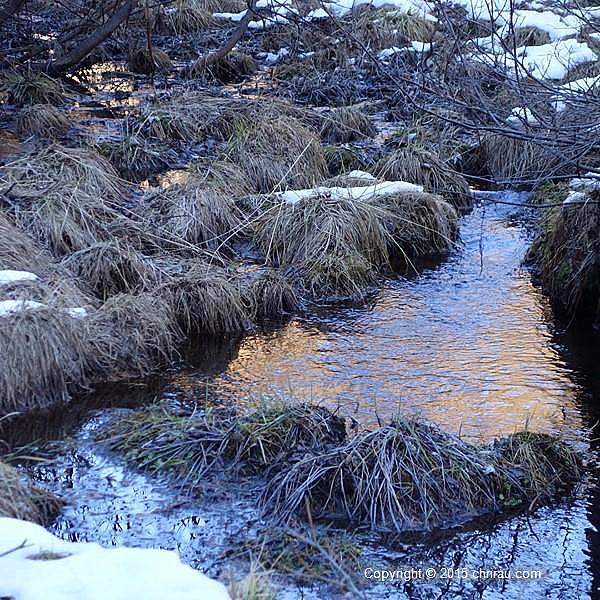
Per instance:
x=9, y=276
x=89, y=572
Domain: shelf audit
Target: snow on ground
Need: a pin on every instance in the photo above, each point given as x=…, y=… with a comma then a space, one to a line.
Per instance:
x=9, y=307
x=362, y=193
x=46, y=568
x=9, y=276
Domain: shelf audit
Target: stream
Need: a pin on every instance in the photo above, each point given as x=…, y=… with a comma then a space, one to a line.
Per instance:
x=467, y=342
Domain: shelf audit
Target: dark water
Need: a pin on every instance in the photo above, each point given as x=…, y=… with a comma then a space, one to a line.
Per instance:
x=468, y=343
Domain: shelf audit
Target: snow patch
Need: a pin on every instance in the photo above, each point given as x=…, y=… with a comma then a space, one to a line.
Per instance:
x=8, y=276
x=362, y=193
x=84, y=571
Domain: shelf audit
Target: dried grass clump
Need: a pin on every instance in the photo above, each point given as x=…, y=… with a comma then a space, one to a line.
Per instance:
x=43, y=120
x=566, y=253
x=341, y=159
x=189, y=16
x=207, y=298
x=134, y=334
x=530, y=36
x=109, y=268
x=423, y=224
x=413, y=476
x=339, y=244
x=141, y=60
x=191, y=447
x=513, y=162
x=20, y=499
x=17, y=250
x=319, y=554
x=346, y=124
x=382, y=28
x=134, y=157
x=328, y=88
x=31, y=87
x=415, y=164
x=267, y=436
x=271, y=296
x=234, y=67
x=278, y=154
x=44, y=352
x=64, y=197
x=256, y=585
x=536, y=467
x=201, y=211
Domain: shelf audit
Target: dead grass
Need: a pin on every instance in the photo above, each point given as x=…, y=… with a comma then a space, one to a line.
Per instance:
x=192, y=448
x=201, y=211
x=567, y=255
x=235, y=67
x=63, y=197
x=43, y=353
x=207, y=298
x=514, y=162
x=340, y=246
x=110, y=268
x=530, y=36
x=18, y=251
x=277, y=154
x=134, y=157
x=190, y=16
x=142, y=61
x=271, y=295
x=346, y=124
x=31, y=87
x=415, y=164
x=412, y=476
x=133, y=335
x=43, y=120
x=21, y=499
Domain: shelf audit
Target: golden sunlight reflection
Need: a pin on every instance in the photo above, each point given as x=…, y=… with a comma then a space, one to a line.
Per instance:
x=465, y=346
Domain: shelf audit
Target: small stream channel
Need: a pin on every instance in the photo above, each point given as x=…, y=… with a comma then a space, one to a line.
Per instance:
x=467, y=342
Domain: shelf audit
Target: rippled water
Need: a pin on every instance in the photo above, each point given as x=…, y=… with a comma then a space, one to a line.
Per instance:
x=468, y=343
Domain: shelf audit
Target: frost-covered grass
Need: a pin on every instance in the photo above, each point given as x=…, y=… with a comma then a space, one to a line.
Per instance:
x=410, y=475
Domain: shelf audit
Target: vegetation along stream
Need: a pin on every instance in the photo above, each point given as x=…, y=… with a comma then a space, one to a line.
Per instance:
x=299, y=299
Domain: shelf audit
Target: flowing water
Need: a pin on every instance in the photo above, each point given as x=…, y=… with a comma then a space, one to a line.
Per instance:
x=467, y=342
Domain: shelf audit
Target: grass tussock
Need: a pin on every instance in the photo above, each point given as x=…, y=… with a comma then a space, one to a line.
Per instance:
x=191, y=16
x=207, y=298
x=21, y=499
x=566, y=253
x=63, y=197
x=346, y=124
x=43, y=120
x=514, y=162
x=415, y=164
x=109, y=268
x=201, y=211
x=256, y=585
x=234, y=67
x=141, y=60
x=191, y=448
x=339, y=245
x=412, y=476
x=31, y=87
x=134, y=157
x=18, y=251
x=271, y=295
x=134, y=334
x=530, y=36
x=277, y=154
x=43, y=353
x=320, y=555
